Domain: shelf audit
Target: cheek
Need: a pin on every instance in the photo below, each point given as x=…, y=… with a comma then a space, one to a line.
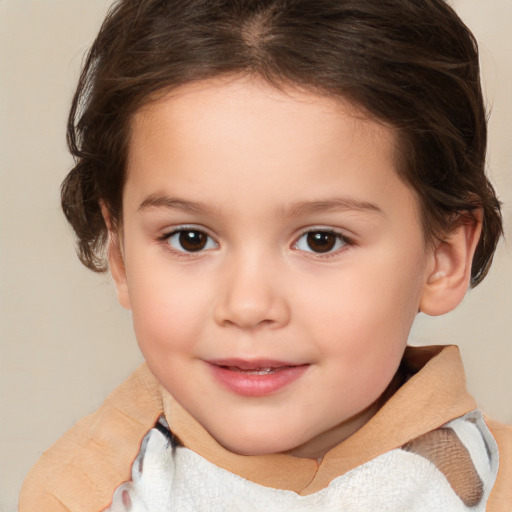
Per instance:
x=372, y=297
x=168, y=311
x=365, y=328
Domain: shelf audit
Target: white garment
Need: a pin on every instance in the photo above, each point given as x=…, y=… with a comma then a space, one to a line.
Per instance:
x=168, y=478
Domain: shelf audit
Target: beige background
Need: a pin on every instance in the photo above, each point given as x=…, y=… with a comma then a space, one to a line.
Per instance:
x=64, y=341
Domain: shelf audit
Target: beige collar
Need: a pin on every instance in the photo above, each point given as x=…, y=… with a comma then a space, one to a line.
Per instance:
x=430, y=398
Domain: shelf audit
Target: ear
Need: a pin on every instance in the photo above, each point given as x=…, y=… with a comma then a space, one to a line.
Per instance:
x=116, y=259
x=448, y=278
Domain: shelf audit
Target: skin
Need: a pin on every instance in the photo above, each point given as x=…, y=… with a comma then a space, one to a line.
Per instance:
x=254, y=169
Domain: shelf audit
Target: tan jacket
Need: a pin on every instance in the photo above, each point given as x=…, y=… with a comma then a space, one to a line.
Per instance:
x=82, y=470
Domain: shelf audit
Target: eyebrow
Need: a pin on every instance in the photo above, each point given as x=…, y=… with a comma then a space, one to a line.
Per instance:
x=296, y=209
x=172, y=203
x=332, y=205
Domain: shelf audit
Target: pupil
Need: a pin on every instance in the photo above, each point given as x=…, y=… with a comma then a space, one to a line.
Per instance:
x=192, y=240
x=321, y=241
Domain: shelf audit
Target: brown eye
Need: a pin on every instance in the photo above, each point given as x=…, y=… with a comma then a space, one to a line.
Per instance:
x=193, y=241
x=320, y=242
x=190, y=240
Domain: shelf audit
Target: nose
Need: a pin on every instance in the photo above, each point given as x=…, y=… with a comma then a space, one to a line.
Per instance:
x=252, y=296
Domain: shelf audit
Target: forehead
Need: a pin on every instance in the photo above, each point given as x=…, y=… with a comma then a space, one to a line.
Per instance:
x=254, y=137
x=204, y=104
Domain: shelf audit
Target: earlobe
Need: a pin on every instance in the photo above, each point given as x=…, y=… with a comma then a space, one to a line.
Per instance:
x=116, y=260
x=448, y=278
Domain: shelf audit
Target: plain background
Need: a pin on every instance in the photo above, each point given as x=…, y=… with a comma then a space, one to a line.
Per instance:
x=65, y=343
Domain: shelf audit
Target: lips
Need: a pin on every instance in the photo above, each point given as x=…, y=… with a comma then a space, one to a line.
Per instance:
x=255, y=378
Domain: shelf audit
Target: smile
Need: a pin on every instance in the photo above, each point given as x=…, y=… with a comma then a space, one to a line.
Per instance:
x=255, y=378
x=262, y=371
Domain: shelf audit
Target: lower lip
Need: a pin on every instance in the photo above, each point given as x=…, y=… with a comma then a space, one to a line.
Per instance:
x=251, y=384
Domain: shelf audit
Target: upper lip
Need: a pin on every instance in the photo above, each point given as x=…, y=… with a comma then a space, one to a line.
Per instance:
x=255, y=364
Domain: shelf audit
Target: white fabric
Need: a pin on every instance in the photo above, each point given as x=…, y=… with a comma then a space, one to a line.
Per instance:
x=169, y=478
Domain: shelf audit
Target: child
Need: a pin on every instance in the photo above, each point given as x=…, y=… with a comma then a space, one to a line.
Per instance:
x=280, y=186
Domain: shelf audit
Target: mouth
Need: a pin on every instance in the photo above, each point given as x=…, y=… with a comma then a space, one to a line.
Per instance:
x=261, y=371
x=255, y=378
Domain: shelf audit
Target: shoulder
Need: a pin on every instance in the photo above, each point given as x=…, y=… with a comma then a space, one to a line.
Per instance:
x=501, y=496
x=81, y=470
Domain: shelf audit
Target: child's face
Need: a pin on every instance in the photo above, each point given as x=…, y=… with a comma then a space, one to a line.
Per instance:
x=273, y=260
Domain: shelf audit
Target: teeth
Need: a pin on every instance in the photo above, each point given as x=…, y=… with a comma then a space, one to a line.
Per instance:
x=260, y=371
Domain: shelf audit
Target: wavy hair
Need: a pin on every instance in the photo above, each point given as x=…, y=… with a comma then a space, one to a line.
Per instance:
x=411, y=64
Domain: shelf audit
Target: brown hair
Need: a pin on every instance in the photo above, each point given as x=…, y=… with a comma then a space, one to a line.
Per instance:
x=412, y=64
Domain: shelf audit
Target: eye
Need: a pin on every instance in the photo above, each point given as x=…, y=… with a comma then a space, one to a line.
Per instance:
x=320, y=242
x=190, y=240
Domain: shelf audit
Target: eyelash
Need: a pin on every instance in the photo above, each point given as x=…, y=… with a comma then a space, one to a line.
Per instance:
x=180, y=230
x=339, y=238
x=329, y=252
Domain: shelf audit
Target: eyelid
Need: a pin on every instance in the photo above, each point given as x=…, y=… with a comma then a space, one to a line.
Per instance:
x=343, y=232
x=168, y=231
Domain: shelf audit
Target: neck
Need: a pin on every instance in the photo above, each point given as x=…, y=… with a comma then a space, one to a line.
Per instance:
x=317, y=447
